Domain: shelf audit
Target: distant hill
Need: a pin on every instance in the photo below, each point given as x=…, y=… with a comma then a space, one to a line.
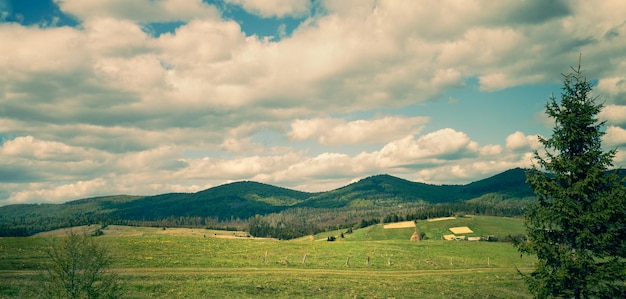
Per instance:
x=510, y=184
x=245, y=199
x=385, y=189
x=239, y=200
x=381, y=190
x=242, y=200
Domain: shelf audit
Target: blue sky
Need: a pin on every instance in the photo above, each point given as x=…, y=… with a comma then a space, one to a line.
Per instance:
x=152, y=96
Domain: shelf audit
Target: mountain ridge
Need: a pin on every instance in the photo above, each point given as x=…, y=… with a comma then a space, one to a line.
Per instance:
x=245, y=199
x=288, y=212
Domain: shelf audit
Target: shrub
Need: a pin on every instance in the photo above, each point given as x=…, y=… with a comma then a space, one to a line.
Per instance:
x=78, y=269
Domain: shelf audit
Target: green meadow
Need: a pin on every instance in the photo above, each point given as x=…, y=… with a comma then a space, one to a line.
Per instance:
x=372, y=262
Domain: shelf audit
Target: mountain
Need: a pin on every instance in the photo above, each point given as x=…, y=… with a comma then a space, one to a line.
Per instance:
x=246, y=199
x=510, y=184
x=380, y=190
x=385, y=190
x=240, y=200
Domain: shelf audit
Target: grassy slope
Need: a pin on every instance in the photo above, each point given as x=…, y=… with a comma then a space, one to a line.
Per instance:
x=188, y=265
x=480, y=225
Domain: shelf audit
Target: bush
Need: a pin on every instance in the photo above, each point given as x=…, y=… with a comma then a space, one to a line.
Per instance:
x=78, y=269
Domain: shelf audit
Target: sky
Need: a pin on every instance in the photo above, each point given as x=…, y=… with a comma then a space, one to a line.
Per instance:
x=143, y=97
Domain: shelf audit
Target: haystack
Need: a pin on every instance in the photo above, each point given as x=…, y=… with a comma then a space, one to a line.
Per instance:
x=415, y=237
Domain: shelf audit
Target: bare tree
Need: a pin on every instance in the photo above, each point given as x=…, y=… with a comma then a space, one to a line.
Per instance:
x=79, y=269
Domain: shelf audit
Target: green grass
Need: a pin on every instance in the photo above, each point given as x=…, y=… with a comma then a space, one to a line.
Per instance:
x=153, y=265
x=480, y=225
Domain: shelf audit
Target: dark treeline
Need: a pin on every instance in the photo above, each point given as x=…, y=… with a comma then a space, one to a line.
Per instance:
x=288, y=224
x=25, y=226
x=296, y=223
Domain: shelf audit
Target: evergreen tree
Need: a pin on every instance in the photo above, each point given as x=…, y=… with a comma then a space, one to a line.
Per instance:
x=577, y=229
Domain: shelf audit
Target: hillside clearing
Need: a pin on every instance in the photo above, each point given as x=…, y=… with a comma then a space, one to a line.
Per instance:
x=440, y=219
x=404, y=224
x=459, y=230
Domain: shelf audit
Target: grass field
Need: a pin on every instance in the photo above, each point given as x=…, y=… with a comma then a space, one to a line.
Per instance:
x=185, y=263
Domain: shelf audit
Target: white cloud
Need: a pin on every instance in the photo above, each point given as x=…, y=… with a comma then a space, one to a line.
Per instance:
x=139, y=10
x=58, y=193
x=620, y=158
x=274, y=8
x=444, y=156
x=109, y=106
x=462, y=173
x=613, y=114
x=334, y=131
x=614, y=137
x=30, y=148
x=491, y=150
x=516, y=141
x=110, y=37
x=156, y=159
x=432, y=148
x=613, y=89
x=322, y=166
x=236, y=168
x=519, y=141
x=52, y=51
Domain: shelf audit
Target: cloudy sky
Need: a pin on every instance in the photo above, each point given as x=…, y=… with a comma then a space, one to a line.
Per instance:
x=101, y=97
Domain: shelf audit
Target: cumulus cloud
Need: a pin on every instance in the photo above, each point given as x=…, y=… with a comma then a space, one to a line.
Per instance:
x=50, y=160
x=105, y=107
x=519, y=141
x=491, y=150
x=444, y=144
x=613, y=89
x=57, y=193
x=614, y=137
x=30, y=148
x=139, y=10
x=613, y=114
x=334, y=131
x=461, y=173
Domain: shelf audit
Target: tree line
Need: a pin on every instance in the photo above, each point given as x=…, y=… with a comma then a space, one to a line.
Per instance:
x=287, y=224
x=297, y=223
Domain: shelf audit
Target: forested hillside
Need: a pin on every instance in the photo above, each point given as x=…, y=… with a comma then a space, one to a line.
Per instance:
x=282, y=212
x=232, y=205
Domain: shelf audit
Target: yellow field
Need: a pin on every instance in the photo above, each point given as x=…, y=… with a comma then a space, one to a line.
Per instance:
x=459, y=230
x=404, y=224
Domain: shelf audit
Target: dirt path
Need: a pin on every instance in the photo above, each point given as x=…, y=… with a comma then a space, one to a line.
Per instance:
x=283, y=271
x=261, y=271
x=440, y=219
